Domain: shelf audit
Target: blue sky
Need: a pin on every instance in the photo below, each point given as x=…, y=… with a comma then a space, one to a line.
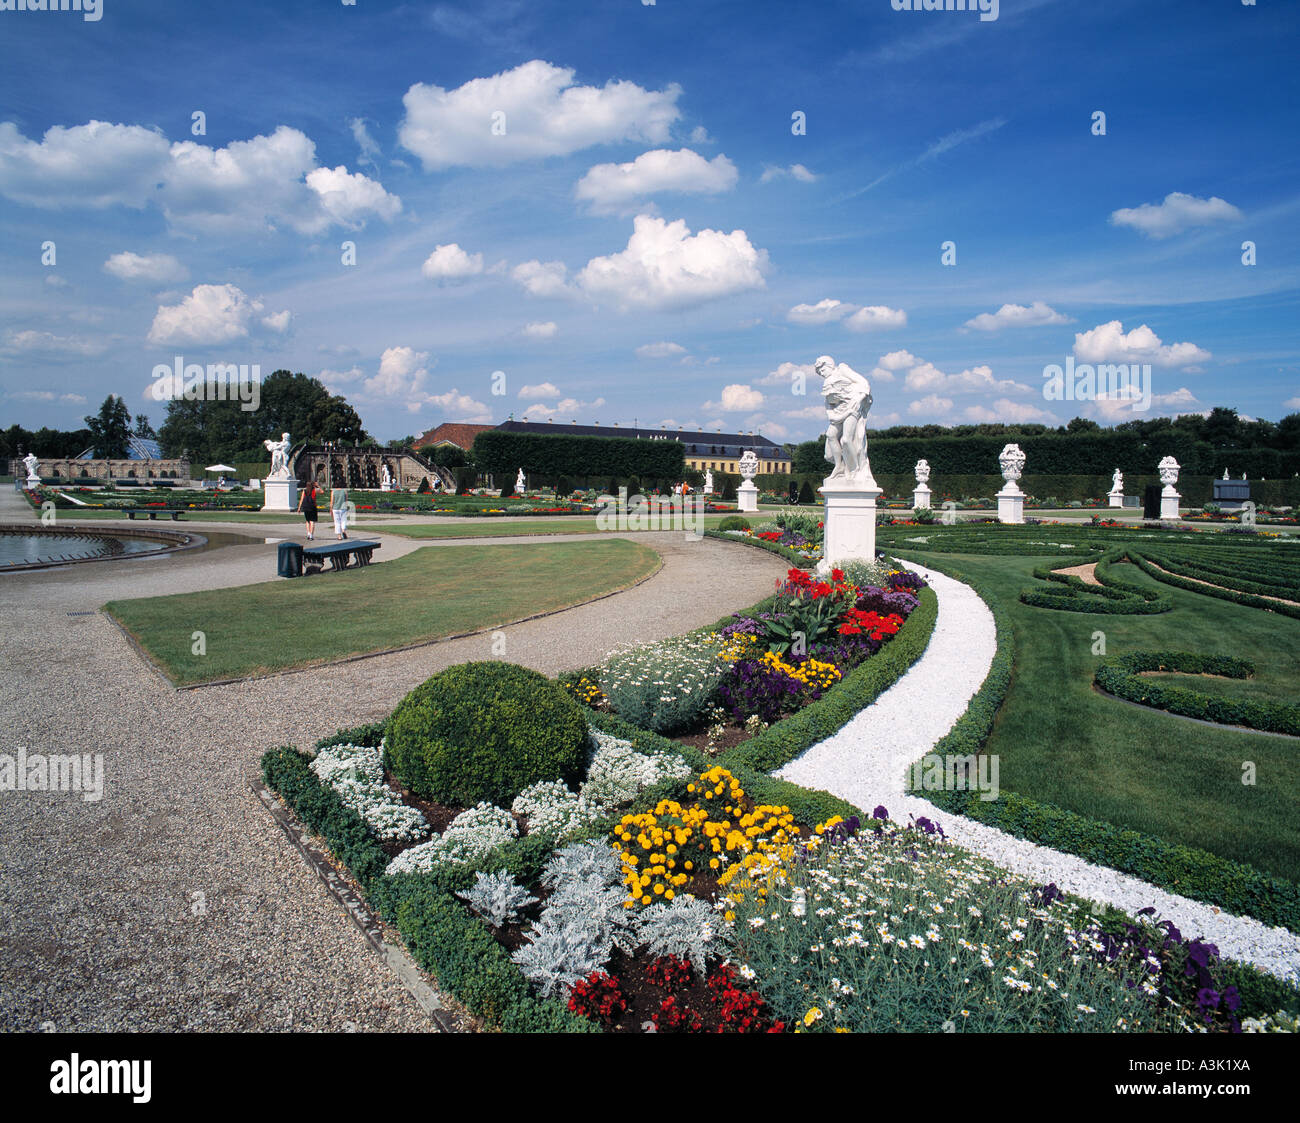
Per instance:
x=613, y=205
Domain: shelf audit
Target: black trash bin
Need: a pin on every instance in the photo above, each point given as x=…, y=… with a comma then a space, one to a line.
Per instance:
x=290, y=559
x=1151, y=502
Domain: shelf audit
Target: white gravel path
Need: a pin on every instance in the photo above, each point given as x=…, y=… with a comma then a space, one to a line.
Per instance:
x=866, y=763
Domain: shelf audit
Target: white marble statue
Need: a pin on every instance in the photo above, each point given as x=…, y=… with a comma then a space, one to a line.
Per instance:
x=922, y=472
x=848, y=400
x=279, y=451
x=519, y=482
x=33, y=477
x=1225, y=473
x=386, y=478
x=708, y=481
x=749, y=464
x=1117, y=484
x=1012, y=461
x=1168, y=469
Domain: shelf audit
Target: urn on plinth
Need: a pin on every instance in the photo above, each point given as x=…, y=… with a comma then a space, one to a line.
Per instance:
x=1011, y=500
x=1168, y=469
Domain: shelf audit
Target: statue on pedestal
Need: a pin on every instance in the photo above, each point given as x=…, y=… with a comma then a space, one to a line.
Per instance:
x=708, y=481
x=1117, y=484
x=1168, y=469
x=279, y=451
x=848, y=400
x=385, y=479
x=33, y=477
x=922, y=472
x=519, y=482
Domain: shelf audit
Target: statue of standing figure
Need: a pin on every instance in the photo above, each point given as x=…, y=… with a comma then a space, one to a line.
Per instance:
x=708, y=481
x=1117, y=484
x=848, y=400
x=519, y=482
x=33, y=477
x=279, y=451
x=386, y=479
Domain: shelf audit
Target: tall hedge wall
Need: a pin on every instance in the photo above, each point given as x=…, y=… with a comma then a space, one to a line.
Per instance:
x=501, y=453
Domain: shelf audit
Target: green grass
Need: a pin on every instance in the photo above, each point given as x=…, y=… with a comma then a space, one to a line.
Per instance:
x=495, y=527
x=1060, y=741
x=428, y=594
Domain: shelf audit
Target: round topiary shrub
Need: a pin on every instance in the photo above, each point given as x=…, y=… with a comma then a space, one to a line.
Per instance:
x=734, y=522
x=485, y=731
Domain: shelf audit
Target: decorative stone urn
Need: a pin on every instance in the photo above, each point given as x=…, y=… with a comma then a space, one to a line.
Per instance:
x=1011, y=500
x=1168, y=469
x=747, y=492
x=921, y=493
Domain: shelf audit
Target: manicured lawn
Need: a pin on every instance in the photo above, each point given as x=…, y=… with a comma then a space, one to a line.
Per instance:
x=425, y=595
x=1062, y=742
x=498, y=527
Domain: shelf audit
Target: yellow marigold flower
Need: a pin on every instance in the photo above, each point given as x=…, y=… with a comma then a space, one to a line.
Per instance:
x=813, y=1015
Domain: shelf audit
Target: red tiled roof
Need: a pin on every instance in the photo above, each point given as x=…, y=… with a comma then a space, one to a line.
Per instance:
x=459, y=433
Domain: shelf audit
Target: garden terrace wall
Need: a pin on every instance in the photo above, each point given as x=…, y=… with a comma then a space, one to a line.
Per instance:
x=1234, y=886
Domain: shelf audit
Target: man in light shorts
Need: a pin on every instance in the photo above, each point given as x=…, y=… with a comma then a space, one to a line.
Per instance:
x=339, y=509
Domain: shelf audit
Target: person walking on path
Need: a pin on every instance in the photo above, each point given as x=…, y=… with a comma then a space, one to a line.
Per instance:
x=339, y=509
x=307, y=505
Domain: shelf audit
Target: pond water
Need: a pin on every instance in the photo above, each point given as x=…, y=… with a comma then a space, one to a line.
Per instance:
x=36, y=547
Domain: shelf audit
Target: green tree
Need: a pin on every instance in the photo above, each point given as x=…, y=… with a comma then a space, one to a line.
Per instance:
x=110, y=429
x=143, y=429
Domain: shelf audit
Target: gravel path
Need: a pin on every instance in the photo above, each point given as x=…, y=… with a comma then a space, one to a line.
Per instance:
x=867, y=761
x=175, y=902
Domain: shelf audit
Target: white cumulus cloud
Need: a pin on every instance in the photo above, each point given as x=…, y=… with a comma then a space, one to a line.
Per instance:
x=541, y=330
x=451, y=263
x=213, y=314
x=261, y=183
x=530, y=112
x=737, y=398
x=876, y=317
x=1107, y=343
x=541, y=390
x=665, y=266
x=610, y=186
x=542, y=278
x=931, y=403
x=1177, y=213
x=1017, y=316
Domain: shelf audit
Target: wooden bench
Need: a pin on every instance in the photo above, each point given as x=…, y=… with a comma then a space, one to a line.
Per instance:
x=339, y=554
x=153, y=513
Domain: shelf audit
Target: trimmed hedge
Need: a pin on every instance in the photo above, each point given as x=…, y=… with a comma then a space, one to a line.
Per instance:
x=1121, y=676
x=485, y=731
x=1112, y=596
x=1149, y=565
x=1234, y=886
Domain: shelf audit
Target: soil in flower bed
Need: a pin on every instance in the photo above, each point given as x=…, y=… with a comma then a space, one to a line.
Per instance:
x=732, y=735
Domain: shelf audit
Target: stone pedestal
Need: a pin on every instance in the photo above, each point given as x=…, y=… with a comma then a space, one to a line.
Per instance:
x=1116, y=498
x=386, y=487
x=1169, y=502
x=920, y=497
x=281, y=495
x=747, y=496
x=1011, y=504
x=850, y=525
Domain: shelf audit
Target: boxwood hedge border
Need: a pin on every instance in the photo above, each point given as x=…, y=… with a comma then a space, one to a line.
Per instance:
x=1121, y=676
x=1237, y=887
